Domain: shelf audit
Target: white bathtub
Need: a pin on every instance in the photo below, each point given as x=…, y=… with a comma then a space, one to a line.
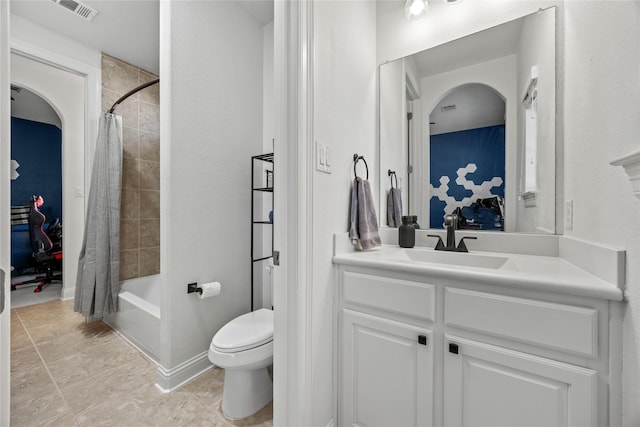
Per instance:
x=138, y=316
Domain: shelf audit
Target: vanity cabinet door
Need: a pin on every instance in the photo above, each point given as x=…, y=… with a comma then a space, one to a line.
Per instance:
x=387, y=370
x=487, y=385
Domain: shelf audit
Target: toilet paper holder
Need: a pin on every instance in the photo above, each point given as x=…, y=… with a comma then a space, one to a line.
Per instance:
x=193, y=287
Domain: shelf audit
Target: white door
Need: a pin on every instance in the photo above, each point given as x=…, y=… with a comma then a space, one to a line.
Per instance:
x=5, y=212
x=387, y=373
x=485, y=385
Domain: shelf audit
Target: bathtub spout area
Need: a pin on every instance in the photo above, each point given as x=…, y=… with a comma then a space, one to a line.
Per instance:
x=138, y=316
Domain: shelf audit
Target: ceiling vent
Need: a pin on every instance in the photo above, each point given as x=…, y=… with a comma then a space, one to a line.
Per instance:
x=79, y=8
x=446, y=108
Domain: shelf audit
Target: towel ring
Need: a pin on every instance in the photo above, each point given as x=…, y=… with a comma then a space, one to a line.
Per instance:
x=356, y=159
x=392, y=174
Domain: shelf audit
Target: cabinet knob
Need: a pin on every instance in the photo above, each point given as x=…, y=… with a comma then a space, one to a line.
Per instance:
x=453, y=348
x=422, y=339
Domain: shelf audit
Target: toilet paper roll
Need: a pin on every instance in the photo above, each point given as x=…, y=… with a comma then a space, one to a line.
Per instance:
x=209, y=290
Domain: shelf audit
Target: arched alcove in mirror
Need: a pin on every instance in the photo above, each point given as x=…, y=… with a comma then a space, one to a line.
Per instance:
x=467, y=158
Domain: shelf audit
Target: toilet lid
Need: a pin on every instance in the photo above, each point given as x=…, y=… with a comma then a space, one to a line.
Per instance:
x=245, y=332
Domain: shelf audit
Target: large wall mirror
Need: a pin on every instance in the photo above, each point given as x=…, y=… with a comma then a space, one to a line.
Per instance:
x=468, y=127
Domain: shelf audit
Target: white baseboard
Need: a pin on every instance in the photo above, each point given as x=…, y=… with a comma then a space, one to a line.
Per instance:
x=68, y=293
x=168, y=380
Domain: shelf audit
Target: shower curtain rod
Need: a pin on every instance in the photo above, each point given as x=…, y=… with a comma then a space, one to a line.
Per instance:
x=132, y=91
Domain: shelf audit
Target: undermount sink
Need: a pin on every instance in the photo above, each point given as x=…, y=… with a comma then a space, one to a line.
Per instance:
x=461, y=259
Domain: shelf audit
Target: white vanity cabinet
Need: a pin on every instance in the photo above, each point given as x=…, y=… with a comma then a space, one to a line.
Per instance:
x=387, y=372
x=487, y=385
x=386, y=364
x=420, y=350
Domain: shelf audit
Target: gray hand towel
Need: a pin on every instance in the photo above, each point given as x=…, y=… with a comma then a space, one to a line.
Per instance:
x=394, y=208
x=363, y=229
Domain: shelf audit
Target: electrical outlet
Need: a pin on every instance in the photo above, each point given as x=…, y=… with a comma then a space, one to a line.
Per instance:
x=568, y=215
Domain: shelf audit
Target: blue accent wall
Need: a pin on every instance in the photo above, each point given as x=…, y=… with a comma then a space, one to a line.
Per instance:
x=37, y=147
x=451, y=151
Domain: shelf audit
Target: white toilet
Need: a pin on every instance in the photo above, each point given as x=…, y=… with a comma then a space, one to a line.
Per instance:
x=244, y=348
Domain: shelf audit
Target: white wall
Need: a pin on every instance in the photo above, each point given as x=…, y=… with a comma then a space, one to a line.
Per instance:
x=345, y=120
x=538, y=33
x=268, y=116
x=211, y=124
x=498, y=74
x=33, y=34
x=600, y=88
x=268, y=134
x=393, y=137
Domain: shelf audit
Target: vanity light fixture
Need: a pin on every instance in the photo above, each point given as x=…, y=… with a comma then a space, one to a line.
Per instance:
x=416, y=9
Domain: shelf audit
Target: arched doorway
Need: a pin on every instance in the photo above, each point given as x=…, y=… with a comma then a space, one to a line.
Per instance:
x=65, y=91
x=467, y=157
x=36, y=157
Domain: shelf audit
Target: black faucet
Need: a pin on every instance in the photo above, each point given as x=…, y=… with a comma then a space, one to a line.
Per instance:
x=451, y=223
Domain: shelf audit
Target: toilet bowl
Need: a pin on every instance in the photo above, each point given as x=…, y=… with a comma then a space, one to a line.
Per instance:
x=244, y=349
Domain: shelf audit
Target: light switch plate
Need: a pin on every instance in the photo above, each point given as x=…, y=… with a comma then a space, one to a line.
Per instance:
x=323, y=158
x=568, y=215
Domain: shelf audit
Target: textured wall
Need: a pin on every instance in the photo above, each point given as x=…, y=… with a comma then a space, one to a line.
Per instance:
x=140, y=214
x=345, y=120
x=211, y=55
x=599, y=111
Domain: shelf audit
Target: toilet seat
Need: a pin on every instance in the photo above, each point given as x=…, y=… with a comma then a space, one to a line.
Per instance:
x=245, y=332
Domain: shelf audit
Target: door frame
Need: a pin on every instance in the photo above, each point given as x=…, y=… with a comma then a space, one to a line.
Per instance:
x=92, y=107
x=293, y=197
x=5, y=213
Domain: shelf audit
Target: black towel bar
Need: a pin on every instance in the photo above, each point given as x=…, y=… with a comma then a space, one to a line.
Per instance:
x=392, y=174
x=356, y=159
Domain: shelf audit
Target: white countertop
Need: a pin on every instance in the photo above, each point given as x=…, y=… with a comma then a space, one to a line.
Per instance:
x=535, y=272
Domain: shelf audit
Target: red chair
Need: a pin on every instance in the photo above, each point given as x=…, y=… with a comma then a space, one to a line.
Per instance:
x=46, y=254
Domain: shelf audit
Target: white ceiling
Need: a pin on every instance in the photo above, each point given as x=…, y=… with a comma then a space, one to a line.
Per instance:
x=29, y=106
x=126, y=29
x=483, y=46
x=477, y=106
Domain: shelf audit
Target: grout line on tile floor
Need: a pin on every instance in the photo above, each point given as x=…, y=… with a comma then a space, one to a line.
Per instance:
x=44, y=364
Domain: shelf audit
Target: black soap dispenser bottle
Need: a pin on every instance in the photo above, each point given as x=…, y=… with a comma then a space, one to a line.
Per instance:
x=407, y=233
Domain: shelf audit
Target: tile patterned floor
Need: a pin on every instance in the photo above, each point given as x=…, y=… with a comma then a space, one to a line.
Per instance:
x=65, y=372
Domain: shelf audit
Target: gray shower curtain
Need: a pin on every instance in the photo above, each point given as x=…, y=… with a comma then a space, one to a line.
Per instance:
x=98, y=282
